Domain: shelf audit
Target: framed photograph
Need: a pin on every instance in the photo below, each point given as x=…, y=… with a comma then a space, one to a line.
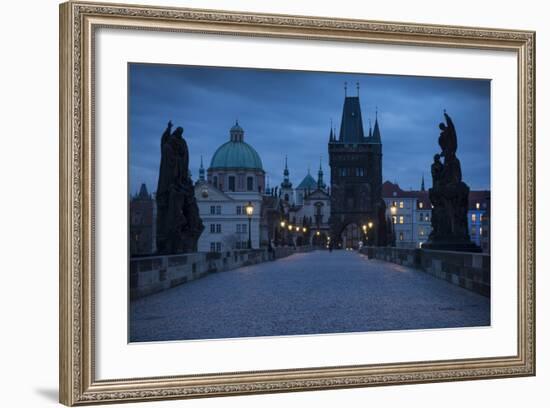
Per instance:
x=256, y=203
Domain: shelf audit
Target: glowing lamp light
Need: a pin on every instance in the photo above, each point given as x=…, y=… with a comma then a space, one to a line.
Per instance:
x=249, y=208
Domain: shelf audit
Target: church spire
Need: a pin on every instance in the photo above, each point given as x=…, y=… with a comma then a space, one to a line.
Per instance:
x=320, y=184
x=267, y=188
x=422, y=187
x=201, y=171
x=286, y=180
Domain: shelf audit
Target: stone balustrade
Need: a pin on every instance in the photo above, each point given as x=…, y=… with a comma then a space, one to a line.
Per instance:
x=153, y=274
x=468, y=270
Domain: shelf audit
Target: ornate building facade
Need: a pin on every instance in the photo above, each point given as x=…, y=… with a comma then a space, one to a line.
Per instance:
x=356, y=181
x=234, y=179
x=305, y=209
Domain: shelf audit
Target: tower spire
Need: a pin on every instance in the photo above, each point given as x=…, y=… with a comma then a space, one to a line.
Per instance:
x=345, y=89
x=201, y=171
x=320, y=183
x=286, y=180
x=357, y=84
x=422, y=187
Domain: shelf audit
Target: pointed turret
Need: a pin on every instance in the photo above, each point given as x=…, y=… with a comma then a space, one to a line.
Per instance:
x=320, y=183
x=267, y=188
x=201, y=171
x=143, y=193
x=376, y=131
x=422, y=186
x=286, y=179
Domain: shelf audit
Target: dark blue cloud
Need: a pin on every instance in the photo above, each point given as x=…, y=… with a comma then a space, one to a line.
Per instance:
x=289, y=113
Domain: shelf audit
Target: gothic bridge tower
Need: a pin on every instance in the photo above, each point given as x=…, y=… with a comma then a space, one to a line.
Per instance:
x=356, y=181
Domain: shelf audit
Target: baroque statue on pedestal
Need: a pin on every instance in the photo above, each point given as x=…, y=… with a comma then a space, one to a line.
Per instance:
x=179, y=225
x=449, y=197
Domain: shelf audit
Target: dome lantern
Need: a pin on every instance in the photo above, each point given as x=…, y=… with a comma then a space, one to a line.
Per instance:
x=236, y=133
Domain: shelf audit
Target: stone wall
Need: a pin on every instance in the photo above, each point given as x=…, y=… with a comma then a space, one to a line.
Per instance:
x=154, y=274
x=284, y=251
x=468, y=270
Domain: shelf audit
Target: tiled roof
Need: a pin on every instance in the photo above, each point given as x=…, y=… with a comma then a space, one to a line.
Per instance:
x=476, y=196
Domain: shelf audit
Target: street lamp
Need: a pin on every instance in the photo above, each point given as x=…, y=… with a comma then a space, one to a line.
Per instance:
x=249, y=208
x=282, y=224
x=366, y=228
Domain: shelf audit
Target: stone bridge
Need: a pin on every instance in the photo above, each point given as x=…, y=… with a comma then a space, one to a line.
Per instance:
x=306, y=293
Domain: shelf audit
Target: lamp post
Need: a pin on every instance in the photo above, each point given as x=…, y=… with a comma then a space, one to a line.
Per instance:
x=249, y=208
x=366, y=228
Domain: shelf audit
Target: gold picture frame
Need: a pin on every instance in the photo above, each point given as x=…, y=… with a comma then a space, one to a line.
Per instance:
x=78, y=22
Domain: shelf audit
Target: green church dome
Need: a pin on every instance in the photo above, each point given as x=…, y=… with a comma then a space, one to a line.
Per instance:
x=236, y=154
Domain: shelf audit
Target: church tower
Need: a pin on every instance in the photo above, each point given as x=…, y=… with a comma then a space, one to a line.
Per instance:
x=356, y=180
x=286, y=186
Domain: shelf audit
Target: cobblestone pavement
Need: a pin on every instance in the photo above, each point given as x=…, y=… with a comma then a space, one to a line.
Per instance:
x=316, y=292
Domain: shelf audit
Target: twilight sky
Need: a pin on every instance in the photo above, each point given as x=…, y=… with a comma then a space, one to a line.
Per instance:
x=289, y=113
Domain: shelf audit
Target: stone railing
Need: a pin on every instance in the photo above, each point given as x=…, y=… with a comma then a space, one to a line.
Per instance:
x=468, y=270
x=153, y=274
x=284, y=251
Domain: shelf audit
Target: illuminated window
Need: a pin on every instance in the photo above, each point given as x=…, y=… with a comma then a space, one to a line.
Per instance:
x=473, y=217
x=401, y=204
x=421, y=205
x=401, y=219
x=421, y=233
x=480, y=217
x=480, y=230
x=477, y=206
x=400, y=236
x=394, y=218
